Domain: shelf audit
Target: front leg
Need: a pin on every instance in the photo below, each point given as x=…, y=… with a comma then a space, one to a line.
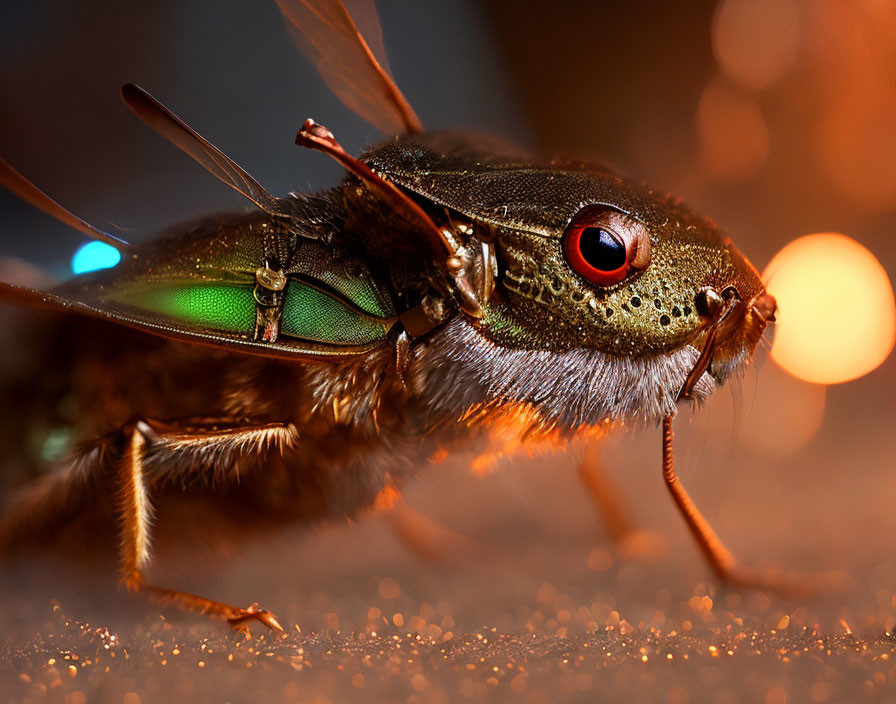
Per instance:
x=717, y=555
x=135, y=509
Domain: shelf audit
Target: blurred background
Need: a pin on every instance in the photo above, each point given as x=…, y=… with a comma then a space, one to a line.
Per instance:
x=775, y=117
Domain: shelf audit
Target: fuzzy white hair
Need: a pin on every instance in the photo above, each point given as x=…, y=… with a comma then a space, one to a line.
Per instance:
x=460, y=368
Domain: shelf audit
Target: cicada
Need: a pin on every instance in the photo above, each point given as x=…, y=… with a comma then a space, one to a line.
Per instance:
x=294, y=362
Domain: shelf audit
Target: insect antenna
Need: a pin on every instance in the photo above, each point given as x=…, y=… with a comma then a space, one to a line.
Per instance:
x=14, y=182
x=172, y=128
x=353, y=67
x=317, y=137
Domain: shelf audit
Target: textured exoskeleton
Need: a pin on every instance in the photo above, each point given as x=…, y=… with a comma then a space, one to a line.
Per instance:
x=308, y=355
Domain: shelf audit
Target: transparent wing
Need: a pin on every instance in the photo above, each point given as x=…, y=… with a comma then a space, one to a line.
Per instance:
x=172, y=128
x=13, y=181
x=353, y=65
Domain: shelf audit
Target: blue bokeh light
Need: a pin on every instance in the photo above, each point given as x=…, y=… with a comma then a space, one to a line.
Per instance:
x=93, y=256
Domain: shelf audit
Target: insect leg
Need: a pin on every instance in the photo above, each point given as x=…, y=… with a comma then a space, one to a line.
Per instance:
x=194, y=451
x=423, y=536
x=718, y=556
x=136, y=514
x=401, y=342
x=630, y=542
x=604, y=494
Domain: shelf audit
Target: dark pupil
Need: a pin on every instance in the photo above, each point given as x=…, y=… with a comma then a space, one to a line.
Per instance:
x=601, y=250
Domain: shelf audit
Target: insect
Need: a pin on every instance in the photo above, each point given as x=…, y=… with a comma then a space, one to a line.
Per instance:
x=295, y=362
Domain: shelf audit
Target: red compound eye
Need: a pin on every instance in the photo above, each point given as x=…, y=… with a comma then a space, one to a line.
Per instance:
x=603, y=245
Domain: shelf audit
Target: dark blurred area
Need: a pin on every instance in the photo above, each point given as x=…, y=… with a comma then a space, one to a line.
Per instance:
x=637, y=84
x=775, y=117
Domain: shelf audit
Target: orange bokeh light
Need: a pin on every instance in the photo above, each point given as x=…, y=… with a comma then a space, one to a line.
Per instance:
x=836, y=312
x=756, y=41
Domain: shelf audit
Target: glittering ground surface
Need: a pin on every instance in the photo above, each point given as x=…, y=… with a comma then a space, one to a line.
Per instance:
x=533, y=605
x=83, y=664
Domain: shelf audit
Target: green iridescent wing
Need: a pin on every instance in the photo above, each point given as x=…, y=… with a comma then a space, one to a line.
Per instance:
x=333, y=305
x=311, y=313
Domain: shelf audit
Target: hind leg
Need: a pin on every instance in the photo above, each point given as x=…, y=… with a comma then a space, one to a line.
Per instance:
x=135, y=510
x=424, y=536
x=135, y=460
x=603, y=494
